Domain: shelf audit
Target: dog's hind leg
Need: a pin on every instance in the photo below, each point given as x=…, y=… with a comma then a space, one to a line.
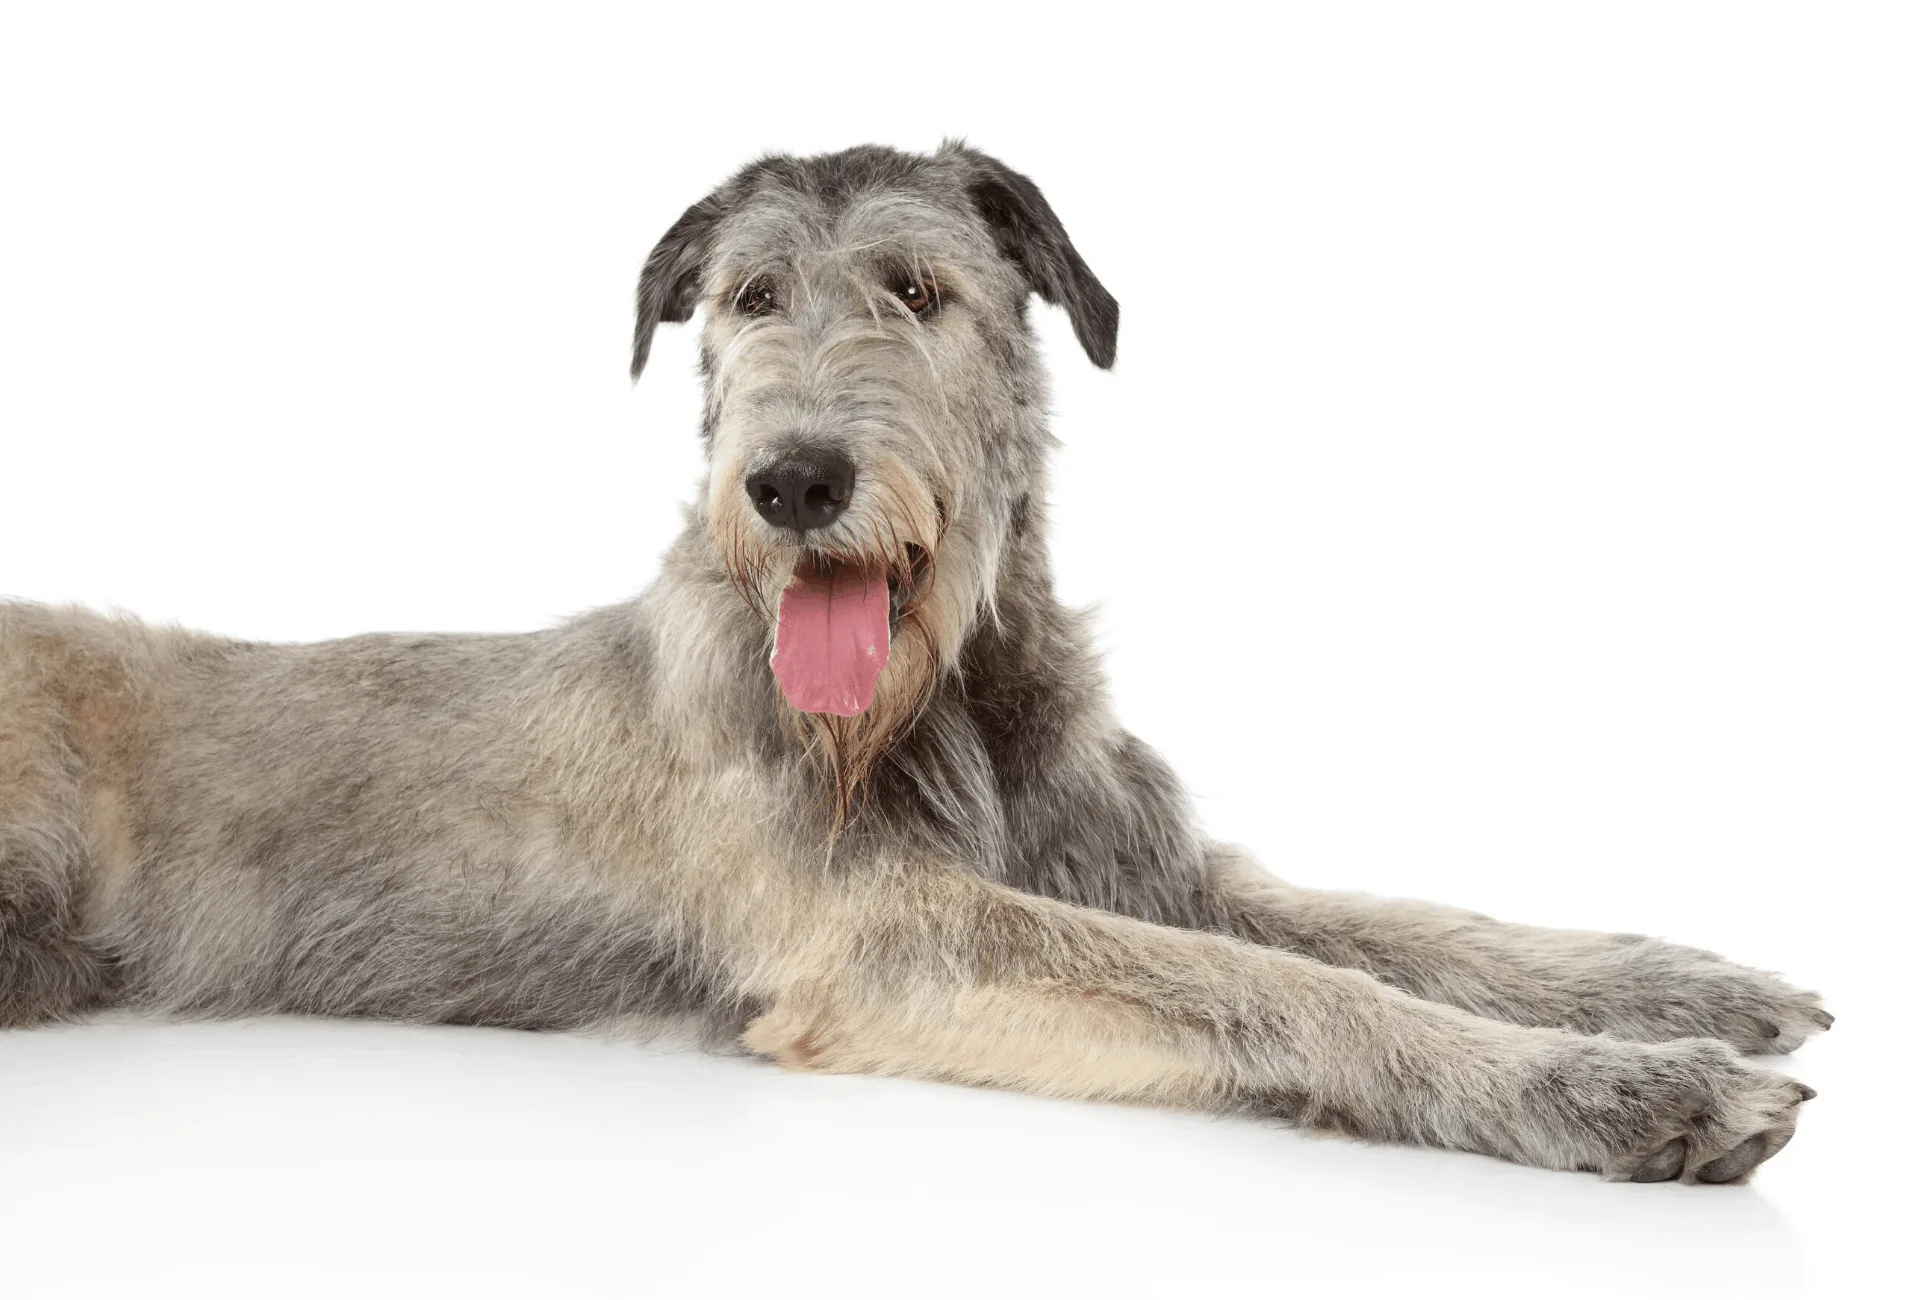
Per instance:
x=47, y=972
x=1622, y=984
x=936, y=973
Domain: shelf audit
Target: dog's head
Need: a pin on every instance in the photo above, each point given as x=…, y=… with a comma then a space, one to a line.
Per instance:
x=874, y=406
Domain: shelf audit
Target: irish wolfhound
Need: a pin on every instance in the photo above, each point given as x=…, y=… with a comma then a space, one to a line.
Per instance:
x=841, y=787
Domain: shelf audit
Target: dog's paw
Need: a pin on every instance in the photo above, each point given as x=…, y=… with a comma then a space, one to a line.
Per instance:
x=1646, y=989
x=1654, y=1112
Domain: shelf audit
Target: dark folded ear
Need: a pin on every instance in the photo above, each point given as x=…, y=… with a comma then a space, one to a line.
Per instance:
x=670, y=281
x=1033, y=238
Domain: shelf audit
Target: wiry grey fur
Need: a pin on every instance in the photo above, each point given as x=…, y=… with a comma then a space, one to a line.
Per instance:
x=619, y=823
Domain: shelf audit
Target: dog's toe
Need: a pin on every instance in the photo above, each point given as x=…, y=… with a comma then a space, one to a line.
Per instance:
x=1737, y=1163
x=1663, y=1164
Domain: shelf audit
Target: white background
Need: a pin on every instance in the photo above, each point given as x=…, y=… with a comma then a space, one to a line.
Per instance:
x=1522, y=399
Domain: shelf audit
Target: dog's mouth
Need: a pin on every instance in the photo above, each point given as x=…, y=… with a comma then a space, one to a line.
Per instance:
x=835, y=626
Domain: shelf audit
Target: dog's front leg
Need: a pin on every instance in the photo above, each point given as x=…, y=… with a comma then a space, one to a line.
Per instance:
x=935, y=973
x=1622, y=984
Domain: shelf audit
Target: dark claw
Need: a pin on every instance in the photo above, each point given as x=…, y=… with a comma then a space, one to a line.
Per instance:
x=1737, y=1163
x=1663, y=1164
x=1806, y=1093
x=1824, y=1019
x=1773, y=1031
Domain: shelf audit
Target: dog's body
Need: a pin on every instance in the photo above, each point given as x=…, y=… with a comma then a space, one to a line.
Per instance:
x=938, y=855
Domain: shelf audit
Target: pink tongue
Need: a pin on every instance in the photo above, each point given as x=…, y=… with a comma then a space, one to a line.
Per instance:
x=832, y=639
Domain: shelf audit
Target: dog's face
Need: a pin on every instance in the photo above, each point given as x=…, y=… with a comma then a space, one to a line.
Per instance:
x=873, y=415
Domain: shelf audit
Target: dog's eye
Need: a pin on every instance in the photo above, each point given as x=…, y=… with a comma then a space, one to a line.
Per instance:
x=756, y=298
x=918, y=295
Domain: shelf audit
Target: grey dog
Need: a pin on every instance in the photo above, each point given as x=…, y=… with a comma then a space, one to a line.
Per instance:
x=841, y=788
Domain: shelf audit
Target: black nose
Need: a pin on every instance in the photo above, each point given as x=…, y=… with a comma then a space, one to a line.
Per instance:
x=807, y=489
